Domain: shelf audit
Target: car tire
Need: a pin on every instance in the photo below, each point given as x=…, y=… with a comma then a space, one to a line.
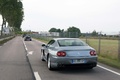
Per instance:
x=49, y=64
x=42, y=57
x=90, y=67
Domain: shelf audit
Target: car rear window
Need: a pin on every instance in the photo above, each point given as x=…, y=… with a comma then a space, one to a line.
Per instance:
x=71, y=42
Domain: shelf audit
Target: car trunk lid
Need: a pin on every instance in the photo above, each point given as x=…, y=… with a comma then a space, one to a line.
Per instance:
x=81, y=51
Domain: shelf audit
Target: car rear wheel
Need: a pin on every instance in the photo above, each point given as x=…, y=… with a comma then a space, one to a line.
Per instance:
x=90, y=67
x=49, y=64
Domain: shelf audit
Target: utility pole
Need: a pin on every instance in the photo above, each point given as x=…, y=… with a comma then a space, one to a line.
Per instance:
x=99, y=47
x=86, y=38
x=119, y=47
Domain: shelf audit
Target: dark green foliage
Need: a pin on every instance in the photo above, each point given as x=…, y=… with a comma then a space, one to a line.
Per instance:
x=12, y=12
x=56, y=30
x=53, y=30
x=94, y=33
x=73, y=32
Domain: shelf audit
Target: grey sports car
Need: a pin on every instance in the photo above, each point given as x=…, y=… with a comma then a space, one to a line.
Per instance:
x=68, y=52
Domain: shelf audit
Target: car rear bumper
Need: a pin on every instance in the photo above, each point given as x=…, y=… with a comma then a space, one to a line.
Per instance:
x=67, y=62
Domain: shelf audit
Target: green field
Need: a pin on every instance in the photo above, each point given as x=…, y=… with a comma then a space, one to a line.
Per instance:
x=108, y=48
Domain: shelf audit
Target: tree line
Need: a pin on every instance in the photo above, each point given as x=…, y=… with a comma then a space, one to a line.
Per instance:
x=72, y=32
x=12, y=14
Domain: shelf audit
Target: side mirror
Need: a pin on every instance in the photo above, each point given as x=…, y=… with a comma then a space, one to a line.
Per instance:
x=43, y=45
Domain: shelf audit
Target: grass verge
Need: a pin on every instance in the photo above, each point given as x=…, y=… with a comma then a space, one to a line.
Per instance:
x=5, y=40
x=42, y=40
x=110, y=62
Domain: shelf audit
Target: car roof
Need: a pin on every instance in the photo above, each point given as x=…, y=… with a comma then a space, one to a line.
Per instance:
x=64, y=38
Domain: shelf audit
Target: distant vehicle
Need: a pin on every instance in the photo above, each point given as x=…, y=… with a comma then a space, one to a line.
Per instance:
x=27, y=38
x=68, y=52
x=23, y=35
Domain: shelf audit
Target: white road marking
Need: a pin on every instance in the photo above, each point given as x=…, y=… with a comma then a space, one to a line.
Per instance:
x=25, y=46
x=37, y=76
x=109, y=70
x=30, y=53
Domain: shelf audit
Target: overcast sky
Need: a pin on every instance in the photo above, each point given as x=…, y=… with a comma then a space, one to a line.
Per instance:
x=87, y=15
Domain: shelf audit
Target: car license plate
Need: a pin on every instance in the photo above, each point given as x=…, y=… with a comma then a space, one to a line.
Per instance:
x=78, y=61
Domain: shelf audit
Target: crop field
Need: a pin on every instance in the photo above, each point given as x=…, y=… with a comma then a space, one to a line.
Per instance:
x=108, y=48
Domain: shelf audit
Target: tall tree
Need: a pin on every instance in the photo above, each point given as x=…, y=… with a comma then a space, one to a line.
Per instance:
x=12, y=13
x=73, y=32
x=94, y=33
x=56, y=30
x=53, y=30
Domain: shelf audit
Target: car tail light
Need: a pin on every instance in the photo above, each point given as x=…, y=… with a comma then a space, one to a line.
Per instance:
x=93, y=53
x=61, y=54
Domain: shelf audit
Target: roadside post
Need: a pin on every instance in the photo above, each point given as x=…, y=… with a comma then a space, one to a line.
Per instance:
x=119, y=47
x=86, y=37
x=99, y=47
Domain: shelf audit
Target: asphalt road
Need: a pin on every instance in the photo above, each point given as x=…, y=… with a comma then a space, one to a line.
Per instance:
x=14, y=65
